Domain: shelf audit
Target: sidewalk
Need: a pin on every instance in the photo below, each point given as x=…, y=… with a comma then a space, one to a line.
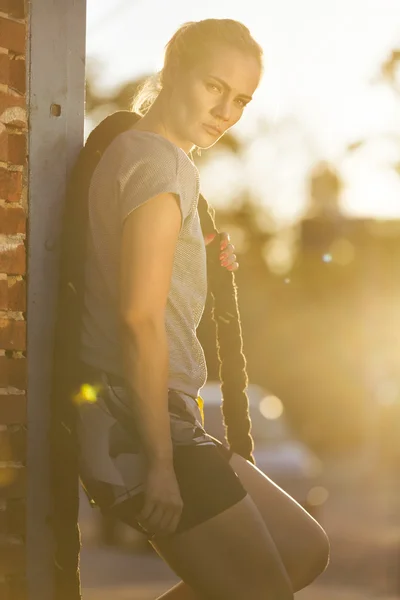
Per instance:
x=150, y=592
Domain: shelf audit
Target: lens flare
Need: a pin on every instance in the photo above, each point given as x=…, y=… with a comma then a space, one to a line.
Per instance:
x=87, y=394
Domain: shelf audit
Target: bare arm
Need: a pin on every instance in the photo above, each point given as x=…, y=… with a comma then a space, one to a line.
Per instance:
x=149, y=238
x=148, y=245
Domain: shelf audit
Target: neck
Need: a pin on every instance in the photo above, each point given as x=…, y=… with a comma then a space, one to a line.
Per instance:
x=156, y=120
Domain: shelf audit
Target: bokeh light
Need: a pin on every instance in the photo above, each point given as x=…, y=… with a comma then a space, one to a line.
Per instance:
x=278, y=255
x=271, y=407
x=317, y=496
x=342, y=252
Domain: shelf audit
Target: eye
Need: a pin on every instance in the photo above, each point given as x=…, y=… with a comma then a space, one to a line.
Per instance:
x=213, y=87
x=241, y=103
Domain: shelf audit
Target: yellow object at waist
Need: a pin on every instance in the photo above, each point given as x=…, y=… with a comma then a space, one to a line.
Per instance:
x=200, y=403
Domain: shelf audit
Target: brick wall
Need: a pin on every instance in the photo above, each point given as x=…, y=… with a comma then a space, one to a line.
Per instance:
x=13, y=213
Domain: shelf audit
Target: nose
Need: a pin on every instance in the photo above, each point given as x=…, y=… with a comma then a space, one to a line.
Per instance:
x=223, y=111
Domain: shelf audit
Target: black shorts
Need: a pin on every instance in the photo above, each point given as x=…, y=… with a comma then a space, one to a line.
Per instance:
x=112, y=464
x=208, y=486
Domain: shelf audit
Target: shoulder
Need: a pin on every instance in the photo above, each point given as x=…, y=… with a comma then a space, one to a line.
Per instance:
x=144, y=159
x=151, y=155
x=146, y=148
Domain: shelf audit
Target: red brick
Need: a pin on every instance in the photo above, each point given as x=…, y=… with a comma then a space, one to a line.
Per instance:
x=13, y=258
x=5, y=449
x=18, y=587
x=4, y=69
x=5, y=592
x=10, y=185
x=12, y=219
x=9, y=101
x=13, y=148
x=17, y=373
x=13, y=518
x=17, y=76
x=3, y=294
x=17, y=148
x=12, y=558
x=12, y=334
x=19, y=444
x=4, y=146
x=12, y=35
x=4, y=371
x=12, y=482
x=14, y=588
x=16, y=295
x=14, y=8
x=13, y=445
x=13, y=372
x=12, y=409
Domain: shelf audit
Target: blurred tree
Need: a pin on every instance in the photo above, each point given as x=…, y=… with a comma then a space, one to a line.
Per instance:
x=325, y=187
x=390, y=70
x=388, y=75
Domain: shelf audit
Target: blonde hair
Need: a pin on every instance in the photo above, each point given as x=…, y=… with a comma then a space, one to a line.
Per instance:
x=188, y=46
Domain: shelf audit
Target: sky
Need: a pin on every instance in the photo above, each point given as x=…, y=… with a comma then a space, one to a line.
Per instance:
x=317, y=94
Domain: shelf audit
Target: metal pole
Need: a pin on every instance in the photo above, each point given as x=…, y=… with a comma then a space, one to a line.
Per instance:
x=56, y=73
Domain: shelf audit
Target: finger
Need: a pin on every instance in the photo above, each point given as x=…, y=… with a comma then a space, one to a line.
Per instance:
x=174, y=523
x=147, y=510
x=209, y=238
x=224, y=239
x=233, y=267
x=153, y=522
x=166, y=524
x=228, y=260
x=229, y=249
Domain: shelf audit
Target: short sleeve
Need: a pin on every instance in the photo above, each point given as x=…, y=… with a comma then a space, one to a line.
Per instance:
x=149, y=166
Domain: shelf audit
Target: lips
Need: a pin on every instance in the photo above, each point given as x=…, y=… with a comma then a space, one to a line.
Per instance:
x=212, y=129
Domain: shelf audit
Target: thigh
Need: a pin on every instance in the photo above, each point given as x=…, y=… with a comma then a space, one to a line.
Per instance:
x=302, y=543
x=230, y=556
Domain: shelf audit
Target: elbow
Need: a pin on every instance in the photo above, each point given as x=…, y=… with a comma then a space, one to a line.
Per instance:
x=137, y=324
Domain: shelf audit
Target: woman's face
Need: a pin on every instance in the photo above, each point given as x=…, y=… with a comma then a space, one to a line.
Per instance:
x=209, y=99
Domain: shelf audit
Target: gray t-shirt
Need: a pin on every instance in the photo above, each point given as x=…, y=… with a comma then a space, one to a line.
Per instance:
x=135, y=167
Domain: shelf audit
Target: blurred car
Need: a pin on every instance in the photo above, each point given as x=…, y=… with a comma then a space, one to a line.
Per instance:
x=277, y=452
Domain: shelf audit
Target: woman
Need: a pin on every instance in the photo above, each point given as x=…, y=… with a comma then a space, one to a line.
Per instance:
x=222, y=525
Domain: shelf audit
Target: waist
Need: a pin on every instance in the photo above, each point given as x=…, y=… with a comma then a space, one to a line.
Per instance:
x=89, y=373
